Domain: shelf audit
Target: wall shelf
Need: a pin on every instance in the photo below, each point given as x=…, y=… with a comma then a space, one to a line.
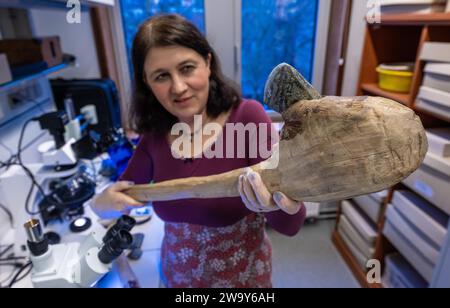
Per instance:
x=373, y=89
x=416, y=19
x=399, y=38
x=359, y=274
x=19, y=81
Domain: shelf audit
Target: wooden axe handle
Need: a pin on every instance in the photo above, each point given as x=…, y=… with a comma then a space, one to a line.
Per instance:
x=215, y=186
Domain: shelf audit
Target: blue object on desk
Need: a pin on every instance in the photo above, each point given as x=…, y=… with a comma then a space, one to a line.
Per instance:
x=120, y=154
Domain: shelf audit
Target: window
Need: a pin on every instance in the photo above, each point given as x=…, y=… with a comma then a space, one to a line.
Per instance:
x=134, y=12
x=276, y=31
x=273, y=31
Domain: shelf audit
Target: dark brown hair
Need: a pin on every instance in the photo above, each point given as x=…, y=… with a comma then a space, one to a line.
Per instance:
x=146, y=113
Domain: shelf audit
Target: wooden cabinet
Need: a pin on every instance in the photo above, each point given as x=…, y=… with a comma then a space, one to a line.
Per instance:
x=399, y=38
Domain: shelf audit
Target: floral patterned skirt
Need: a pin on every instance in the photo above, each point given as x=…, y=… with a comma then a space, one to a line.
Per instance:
x=236, y=256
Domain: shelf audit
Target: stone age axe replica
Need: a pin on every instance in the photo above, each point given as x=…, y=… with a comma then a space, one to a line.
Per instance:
x=331, y=148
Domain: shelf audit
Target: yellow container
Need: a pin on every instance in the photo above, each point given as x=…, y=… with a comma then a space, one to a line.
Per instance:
x=395, y=81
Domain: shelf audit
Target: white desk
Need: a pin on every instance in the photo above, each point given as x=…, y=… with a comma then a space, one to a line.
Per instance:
x=146, y=269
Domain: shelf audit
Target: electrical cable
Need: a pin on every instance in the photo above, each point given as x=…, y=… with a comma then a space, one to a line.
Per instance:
x=11, y=261
x=11, y=264
x=18, y=157
x=13, y=258
x=6, y=279
x=10, y=216
x=6, y=250
x=33, y=179
x=27, y=171
x=11, y=155
x=7, y=148
x=10, y=160
x=16, y=278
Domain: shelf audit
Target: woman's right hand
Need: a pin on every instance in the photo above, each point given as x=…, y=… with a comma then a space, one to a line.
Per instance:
x=113, y=203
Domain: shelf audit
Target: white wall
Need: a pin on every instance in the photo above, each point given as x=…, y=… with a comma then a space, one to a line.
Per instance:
x=223, y=31
x=76, y=39
x=323, y=23
x=355, y=48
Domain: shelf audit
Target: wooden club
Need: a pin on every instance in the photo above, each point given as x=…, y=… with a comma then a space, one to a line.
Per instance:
x=331, y=148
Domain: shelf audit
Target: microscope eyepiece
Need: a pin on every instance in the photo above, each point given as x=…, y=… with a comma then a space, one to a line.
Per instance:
x=126, y=222
x=117, y=239
x=115, y=246
x=123, y=223
x=33, y=230
x=37, y=243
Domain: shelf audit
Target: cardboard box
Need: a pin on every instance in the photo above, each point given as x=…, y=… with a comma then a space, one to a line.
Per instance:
x=432, y=181
x=369, y=206
x=439, y=141
x=409, y=244
x=357, y=254
x=380, y=195
x=28, y=51
x=5, y=72
x=436, y=51
x=400, y=274
x=364, y=227
x=366, y=249
x=434, y=101
x=423, y=215
x=437, y=76
x=413, y=235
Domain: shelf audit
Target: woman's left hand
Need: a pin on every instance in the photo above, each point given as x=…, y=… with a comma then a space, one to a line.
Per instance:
x=257, y=198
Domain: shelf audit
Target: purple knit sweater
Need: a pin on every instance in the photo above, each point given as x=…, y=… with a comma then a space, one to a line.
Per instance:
x=153, y=161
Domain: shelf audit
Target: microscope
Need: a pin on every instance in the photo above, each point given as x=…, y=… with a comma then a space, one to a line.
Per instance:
x=61, y=182
x=70, y=184
x=78, y=264
x=71, y=141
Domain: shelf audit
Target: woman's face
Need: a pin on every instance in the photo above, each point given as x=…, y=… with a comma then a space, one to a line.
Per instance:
x=179, y=79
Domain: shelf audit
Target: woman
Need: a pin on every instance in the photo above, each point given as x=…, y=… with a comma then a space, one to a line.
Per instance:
x=207, y=242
